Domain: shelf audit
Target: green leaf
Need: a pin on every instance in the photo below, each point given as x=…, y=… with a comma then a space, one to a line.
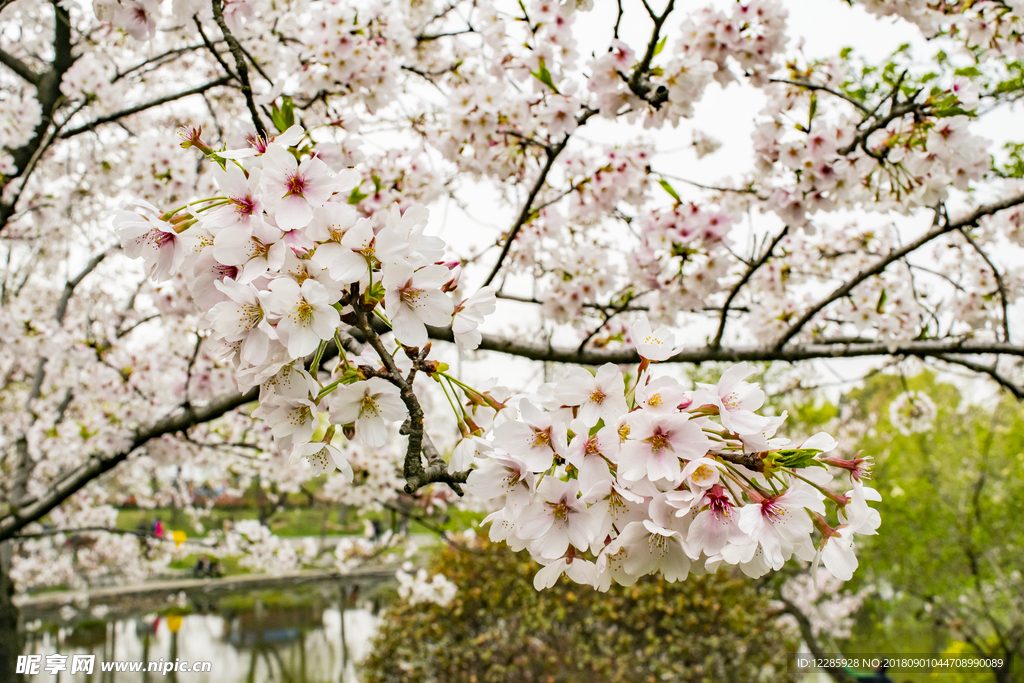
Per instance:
x=544, y=76
x=283, y=117
x=797, y=458
x=954, y=111
x=881, y=301
x=660, y=46
x=967, y=71
x=671, y=190
x=356, y=196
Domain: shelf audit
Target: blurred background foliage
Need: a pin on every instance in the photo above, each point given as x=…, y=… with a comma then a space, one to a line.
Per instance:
x=499, y=628
x=946, y=565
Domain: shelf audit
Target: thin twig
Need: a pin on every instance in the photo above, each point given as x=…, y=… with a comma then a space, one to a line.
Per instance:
x=1004, y=297
x=240, y=66
x=937, y=231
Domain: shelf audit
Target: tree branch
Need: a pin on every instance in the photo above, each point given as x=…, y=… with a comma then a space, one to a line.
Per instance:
x=815, y=86
x=240, y=66
x=640, y=80
x=416, y=475
x=48, y=95
x=893, y=256
x=807, y=632
x=824, y=349
x=91, y=529
x=990, y=370
x=527, y=210
x=754, y=266
x=1004, y=297
x=19, y=67
x=144, y=106
x=97, y=465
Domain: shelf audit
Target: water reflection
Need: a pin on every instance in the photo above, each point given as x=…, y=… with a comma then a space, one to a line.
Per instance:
x=302, y=636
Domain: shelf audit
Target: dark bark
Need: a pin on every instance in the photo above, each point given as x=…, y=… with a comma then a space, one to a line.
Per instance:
x=10, y=640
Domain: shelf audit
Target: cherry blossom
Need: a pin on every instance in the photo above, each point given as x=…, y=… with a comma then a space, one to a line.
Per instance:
x=370, y=404
x=599, y=397
x=414, y=300
x=305, y=314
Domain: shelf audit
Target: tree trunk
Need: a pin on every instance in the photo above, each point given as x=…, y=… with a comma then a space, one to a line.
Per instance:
x=10, y=640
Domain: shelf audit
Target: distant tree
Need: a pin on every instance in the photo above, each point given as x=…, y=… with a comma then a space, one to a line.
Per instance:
x=498, y=628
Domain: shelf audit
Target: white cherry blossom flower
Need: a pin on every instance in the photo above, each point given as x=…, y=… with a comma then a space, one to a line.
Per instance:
x=503, y=475
x=837, y=553
x=256, y=249
x=736, y=400
x=651, y=548
x=591, y=454
x=154, y=241
x=244, y=203
x=371, y=404
x=535, y=440
x=579, y=570
x=657, y=442
x=715, y=526
x=599, y=397
x=555, y=519
x=402, y=239
x=242, y=318
x=292, y=190
x=469, y=315
x=323, y=457
x=348, y=260
x=306, y=314
x=780, y=523
x=414, y=299
x=652, y=346
x=661, y=395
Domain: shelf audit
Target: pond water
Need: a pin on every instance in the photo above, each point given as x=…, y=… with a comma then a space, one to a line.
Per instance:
x=308, y=635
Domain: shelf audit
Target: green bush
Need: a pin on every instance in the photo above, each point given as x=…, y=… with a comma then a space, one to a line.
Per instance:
x=499, y=628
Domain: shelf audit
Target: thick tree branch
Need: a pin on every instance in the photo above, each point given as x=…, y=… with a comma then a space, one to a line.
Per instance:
x=49, y=96
x=895, y=255
x=19, y=67
x=800, y=352
x=97, y=465
x=420, y=445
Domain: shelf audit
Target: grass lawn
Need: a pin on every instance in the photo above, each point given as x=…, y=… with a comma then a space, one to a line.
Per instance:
x=295, y=521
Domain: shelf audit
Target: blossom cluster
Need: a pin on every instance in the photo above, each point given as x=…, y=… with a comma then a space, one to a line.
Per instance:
x=417, y=588
x=912, y=412
x=277, y=260
x=605, y=482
